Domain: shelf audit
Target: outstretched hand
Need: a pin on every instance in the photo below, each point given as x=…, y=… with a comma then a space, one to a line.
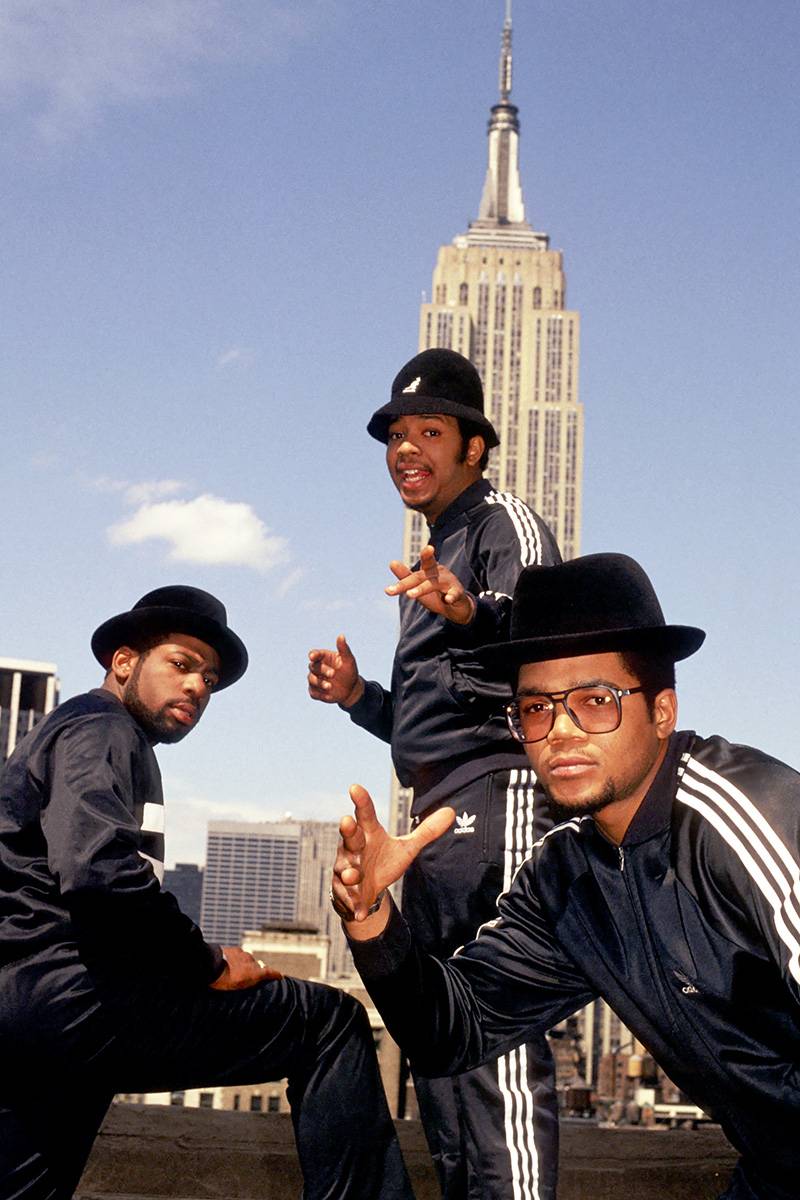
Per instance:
x=370, y=859
x=333, y=675
x=433, y=586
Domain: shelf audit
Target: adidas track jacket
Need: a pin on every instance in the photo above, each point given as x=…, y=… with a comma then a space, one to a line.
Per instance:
x=690, y=930
x=443, y=715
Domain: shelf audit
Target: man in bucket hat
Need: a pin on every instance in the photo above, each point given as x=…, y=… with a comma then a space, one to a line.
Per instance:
x=452, y=746
x=671, y=889
x=105, y=985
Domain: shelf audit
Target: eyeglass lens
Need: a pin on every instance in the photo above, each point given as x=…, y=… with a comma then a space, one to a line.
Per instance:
x=593, y=709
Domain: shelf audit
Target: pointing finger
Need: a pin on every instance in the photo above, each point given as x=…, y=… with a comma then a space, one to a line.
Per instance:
x=399, y=569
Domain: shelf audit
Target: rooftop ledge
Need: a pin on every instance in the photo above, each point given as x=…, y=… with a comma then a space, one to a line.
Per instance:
x=146, y=1151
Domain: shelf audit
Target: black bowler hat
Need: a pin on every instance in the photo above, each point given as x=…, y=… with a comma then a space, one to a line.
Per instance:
x=589, y=605
x=436, y=381
x=177, y=609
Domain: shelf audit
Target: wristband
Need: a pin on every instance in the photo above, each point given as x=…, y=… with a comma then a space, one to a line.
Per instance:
x=373, y=908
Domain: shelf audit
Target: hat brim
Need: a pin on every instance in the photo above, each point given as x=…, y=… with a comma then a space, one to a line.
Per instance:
x=674, y=642
x=413, y=405
x=119, y=630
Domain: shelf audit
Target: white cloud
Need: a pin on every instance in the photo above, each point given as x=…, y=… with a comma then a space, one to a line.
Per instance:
x=290, y=580
x=134, y=493
x=207, y=529
x=241, y=356
x=69, y=61
x=143, y=493
x=103, y=483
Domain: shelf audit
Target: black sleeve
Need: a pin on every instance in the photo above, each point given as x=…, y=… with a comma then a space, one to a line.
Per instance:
x=374, y=711
x=511, y=982
x=501, y=547
x=98, y=769
x=746, y=843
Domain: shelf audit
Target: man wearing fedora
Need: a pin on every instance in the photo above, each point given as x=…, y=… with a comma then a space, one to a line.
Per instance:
x=105, y=985
x=451, y=745
x=671, y=889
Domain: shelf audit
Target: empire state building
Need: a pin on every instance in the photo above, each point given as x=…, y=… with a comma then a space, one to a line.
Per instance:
x=499, y=297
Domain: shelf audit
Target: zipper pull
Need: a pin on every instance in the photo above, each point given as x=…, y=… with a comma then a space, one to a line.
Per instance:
x=621, y=858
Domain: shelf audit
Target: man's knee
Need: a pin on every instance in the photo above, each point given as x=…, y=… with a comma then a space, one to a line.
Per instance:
x=331, y=1018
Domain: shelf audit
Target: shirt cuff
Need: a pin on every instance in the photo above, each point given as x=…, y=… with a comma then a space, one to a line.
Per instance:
x=382, y=955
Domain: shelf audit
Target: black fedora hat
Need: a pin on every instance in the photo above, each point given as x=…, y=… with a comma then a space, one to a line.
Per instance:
x=176, y=609
x=589, y=605
x=436, y=381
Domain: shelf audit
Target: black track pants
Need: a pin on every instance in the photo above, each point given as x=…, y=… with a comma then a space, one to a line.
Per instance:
x=493, y=1132
x=317, y=1037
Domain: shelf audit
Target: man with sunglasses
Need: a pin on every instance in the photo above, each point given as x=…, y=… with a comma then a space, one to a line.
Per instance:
x=671, y=889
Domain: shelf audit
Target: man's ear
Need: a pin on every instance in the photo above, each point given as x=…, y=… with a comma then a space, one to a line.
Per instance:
x=475, y=448
x=665, y=712
x=122, y=663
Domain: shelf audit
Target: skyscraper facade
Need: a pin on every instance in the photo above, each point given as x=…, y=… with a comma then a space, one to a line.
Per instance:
x=251, y=877
x=265, y=872
x=499, y=297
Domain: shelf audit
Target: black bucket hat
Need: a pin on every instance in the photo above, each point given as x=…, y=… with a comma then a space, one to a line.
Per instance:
x=176, y=609
x=589, y=605
x=436, y=381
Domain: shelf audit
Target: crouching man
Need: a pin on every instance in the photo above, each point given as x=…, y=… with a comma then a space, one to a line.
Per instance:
x=671, y=888
x=105, y=986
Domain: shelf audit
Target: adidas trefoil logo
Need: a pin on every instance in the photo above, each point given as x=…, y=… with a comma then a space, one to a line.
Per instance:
x=412, y=387
x=465, y=824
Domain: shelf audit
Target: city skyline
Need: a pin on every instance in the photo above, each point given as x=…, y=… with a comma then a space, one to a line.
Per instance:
x=218, y=223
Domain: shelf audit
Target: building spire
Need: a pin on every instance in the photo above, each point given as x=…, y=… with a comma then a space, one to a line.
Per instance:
x=501, y=217
x=505, y=57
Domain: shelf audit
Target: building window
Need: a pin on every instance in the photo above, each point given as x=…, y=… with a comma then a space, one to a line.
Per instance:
x=537, y=297
x=177, y=1098
x=463, y=293
x=255, y=1104
x=237, y=1100
x=274, y=1103
x=206, y=1099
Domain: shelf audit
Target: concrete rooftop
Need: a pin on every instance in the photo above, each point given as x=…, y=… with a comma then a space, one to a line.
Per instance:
x=205, y=1154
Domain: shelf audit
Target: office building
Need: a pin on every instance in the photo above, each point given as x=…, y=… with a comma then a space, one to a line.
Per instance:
x=261, y=872
x=185, y=881
x=28, y=690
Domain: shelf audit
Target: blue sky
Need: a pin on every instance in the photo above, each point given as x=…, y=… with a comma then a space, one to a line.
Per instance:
x=218, y=221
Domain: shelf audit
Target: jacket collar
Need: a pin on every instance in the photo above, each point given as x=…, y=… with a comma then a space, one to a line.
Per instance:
x=467, y=499
x=654, y=814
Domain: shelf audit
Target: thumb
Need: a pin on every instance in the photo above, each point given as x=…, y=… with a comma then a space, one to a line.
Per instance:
x=365, y=809
x=430, y=829
x=343, y=647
